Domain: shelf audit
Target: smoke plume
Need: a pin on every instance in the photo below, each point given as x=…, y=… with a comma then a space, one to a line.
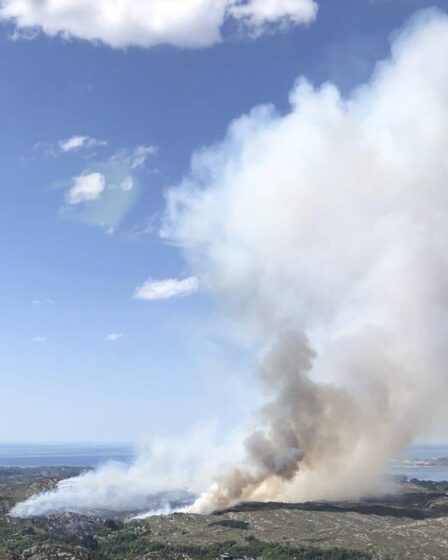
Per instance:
x=324, y=230
x=165, y=476
x=329, y=222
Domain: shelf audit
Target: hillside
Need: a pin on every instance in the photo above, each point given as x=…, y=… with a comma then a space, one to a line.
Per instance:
x=410, y=524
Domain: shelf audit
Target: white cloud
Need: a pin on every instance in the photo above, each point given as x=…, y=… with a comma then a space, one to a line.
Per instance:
x=133, y=158
x=42, y=302
x=86, y=188
x=165, y=289
x=141, y=154
x=257, y=14
x=76, y=143
x=127, y=184
x=113, y=337
x=145, y=23
x=114, y=182
x=39, y=339
x=137, y=157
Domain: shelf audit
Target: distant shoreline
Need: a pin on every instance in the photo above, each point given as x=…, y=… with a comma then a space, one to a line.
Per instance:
x=423, y=462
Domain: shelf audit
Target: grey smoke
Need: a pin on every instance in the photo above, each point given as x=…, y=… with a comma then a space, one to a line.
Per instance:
x=304, y=423
x=314, y=440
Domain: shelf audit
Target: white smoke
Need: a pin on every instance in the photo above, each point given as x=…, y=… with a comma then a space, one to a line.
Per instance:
x=164, y=477
x=331, y=221
x=324, y=230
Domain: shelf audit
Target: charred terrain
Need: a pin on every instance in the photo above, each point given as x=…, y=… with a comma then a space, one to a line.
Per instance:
x=410, y=523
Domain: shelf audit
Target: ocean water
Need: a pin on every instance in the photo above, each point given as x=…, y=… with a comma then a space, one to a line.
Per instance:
x=420, y=461
x=415, y=463
x=62, y=455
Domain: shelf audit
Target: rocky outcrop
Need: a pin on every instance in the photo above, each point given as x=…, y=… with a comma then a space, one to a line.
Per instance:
x=54, y=552
x=70, y=525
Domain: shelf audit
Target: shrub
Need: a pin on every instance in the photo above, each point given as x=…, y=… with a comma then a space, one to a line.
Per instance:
x=231, y=523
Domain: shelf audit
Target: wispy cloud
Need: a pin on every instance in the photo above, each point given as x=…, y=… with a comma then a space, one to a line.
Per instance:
x=113, y=337
x=135, y=158
x=39, y=339
x=146, y=23
x=108, y=187
x=153, y=290
x=46, y=301
x=258, y=15
x=116, y=172
x=85, y=188
x=127, y=184
x=76, y=143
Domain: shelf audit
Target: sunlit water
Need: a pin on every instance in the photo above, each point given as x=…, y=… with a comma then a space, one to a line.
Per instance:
x=32, y=455
x=413, y=462
x=59, y=455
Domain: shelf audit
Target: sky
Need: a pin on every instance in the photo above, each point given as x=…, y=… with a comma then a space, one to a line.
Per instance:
x=106, y=334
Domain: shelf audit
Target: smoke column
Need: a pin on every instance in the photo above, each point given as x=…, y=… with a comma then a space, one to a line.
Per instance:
x=324, y=230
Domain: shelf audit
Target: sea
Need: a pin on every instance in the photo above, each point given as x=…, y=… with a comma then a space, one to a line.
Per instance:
x=419, y=461
x=63, y=455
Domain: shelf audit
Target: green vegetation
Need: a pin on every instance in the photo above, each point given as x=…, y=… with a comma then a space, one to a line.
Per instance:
x=120, y=542
x=113, y=525
x=127, y=545
x=17, y=539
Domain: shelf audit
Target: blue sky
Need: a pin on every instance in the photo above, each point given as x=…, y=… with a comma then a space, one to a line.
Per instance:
x=69, y=271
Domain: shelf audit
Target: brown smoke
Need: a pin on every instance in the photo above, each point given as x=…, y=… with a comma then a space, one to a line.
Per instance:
x=306, y=425
x=303, y=424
